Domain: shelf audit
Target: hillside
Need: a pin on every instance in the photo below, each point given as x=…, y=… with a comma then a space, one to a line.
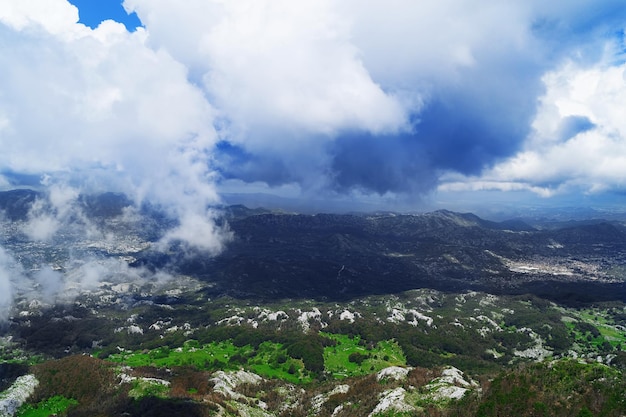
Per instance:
x=338, y=257
x=439, y=313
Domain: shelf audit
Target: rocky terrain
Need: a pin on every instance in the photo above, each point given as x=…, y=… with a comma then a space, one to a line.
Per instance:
x=367, y=314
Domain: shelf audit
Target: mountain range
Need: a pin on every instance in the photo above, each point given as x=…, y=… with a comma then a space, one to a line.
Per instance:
x=380, y=314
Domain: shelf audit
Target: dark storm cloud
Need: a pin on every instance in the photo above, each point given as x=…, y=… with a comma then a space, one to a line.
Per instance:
x=465, y=131
x=234, y=162
x=483, y=118
x=373, y=164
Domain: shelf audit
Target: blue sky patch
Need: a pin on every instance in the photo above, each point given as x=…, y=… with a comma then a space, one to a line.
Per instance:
x=93, y=12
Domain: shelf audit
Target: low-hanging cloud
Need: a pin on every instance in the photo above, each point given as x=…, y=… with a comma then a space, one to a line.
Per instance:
x=92, y=274
x=99, y=110
x=65, y=283
x=54, y=210
x=50, y=284
x=11, y=275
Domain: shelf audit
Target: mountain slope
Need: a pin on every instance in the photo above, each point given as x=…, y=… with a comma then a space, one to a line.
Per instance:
x=342, y=256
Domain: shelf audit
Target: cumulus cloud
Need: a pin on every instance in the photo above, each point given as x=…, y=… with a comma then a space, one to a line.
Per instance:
x=275, y=64
x=480, y=68
x=335, y=97
x=301, y=90
x=101, y=110
x=54, y=16
x=99, y=101
x=578, y=142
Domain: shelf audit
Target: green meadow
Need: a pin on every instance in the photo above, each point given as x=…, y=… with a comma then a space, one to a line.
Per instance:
x=348, y=356
x=595, y=329
x=269, y=359
x=351, y=356
x=50, y=407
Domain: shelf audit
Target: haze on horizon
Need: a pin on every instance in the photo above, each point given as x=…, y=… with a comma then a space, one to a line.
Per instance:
x=395, y=104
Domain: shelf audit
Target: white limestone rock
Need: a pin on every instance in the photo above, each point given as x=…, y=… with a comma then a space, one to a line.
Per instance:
x=396, y=373
x=226, y=382
x=13, y=398
x=392, y=400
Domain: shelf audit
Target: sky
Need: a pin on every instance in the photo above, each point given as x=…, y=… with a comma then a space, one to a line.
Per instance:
x=395, y=104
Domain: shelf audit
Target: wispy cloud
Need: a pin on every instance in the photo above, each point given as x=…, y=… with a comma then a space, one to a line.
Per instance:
x=11, y=272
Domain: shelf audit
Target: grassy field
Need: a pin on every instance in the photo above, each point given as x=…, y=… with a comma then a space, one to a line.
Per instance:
x=190, y=354
x=272, y=361
x=269, y=360
x=50, y=407
x=613, y=334
x=351, y=357
x=607, y=331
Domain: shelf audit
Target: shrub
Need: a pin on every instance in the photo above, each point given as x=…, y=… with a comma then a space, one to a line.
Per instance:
x=357, y=357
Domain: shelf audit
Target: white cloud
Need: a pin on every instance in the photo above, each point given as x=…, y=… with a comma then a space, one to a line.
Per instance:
x=408, y=44
x=41, y=226
x=6, y=297
x=136, y=112
x=275, y=65
x=11, y=273
x=50, y=284
x=102, y=109
x=194, y=230
x=294, y=62
x=479, y=184
x=57, y=209
x=62, y=198
x=95, y=102
x=592, y=159
x=54, y=16
x=286, y=77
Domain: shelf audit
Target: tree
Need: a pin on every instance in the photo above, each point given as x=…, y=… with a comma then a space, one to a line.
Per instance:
x=357, y=357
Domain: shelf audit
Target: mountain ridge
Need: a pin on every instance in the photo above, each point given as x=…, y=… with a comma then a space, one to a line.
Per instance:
x=327, y=314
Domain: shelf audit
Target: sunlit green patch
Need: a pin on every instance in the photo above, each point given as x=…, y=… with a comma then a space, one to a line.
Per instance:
x=144, y=387
x=353, y=357
x=50, y=407
x=270, y=360
x=607, y=331
x=205, y=357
